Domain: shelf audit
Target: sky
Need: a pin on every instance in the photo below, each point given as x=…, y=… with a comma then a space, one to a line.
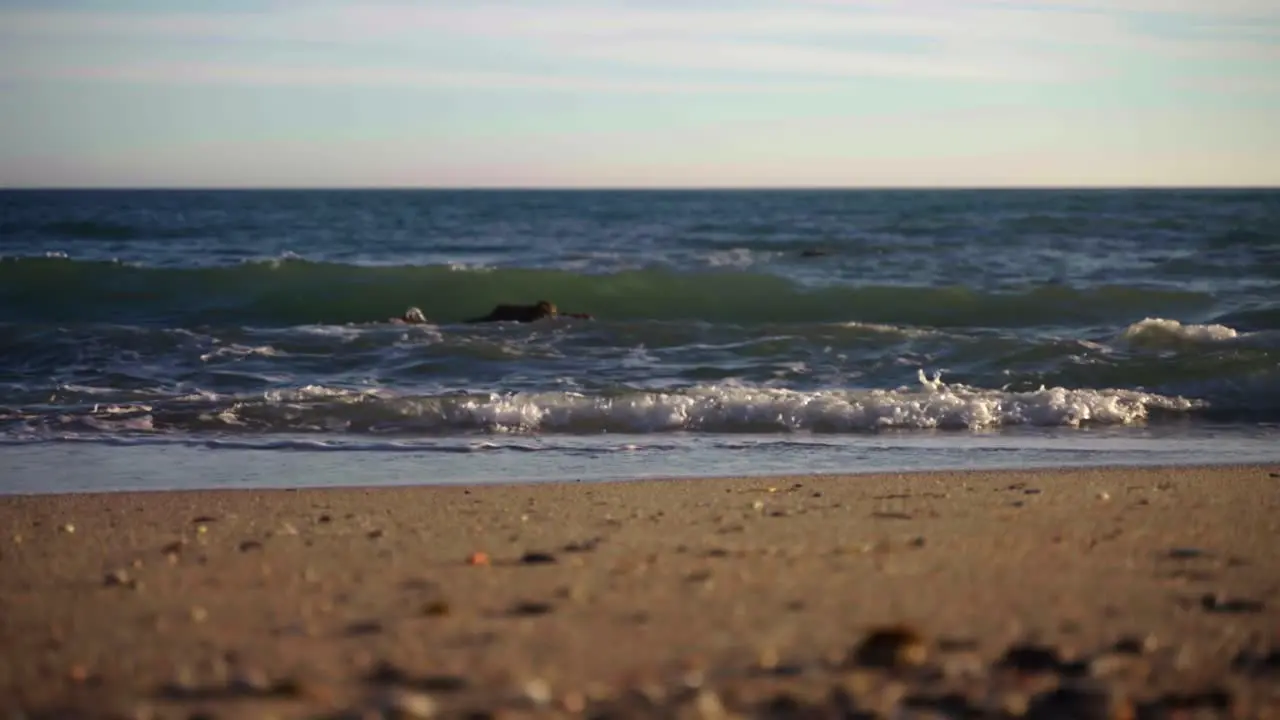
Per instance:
x=639, y=93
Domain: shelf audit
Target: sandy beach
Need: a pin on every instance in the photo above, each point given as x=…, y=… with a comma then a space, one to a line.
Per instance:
x=1149, y=592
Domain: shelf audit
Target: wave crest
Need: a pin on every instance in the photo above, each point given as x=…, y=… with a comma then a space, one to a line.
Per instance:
x=1160, y=332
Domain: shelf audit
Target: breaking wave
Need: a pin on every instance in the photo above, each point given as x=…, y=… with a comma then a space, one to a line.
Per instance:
x=718, y=408
x=1163, y=332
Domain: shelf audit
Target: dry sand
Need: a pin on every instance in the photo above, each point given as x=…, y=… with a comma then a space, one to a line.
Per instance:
x=1076, y=593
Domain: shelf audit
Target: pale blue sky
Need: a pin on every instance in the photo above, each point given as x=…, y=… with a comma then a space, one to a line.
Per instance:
x=639, y=93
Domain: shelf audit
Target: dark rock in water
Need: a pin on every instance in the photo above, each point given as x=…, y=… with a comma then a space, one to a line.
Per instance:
x=895, y=646
x=248, y=545
x=814, y=253
x=1032, y=659
x=1188, y=553
x=203, y=519
x=538, y=558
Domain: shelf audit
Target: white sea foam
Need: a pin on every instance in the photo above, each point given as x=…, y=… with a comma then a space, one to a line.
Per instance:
x=237, y=352
x=1157, y=332
x=890, y=329
x=738, y=258
x=717, y=408
x=345, y=333
x=471, y=267
x=276, y=262
x=1162, y=329
x=730, y=407
x=320, y=392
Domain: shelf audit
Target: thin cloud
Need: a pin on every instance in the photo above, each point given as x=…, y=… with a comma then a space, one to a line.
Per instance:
x=1217, y=8
x=217, y=73
x=775, y=59
x=358, y=23
x=817, y=40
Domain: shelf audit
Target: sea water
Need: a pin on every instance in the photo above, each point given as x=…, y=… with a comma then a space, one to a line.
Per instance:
x=176, y=339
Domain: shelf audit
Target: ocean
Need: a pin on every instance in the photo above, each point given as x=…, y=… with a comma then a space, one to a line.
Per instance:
x=190, y=339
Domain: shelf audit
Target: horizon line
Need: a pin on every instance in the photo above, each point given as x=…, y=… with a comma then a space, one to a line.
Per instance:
x=606, y=188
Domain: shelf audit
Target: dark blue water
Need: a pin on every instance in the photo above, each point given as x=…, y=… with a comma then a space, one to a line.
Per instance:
x=801, y=329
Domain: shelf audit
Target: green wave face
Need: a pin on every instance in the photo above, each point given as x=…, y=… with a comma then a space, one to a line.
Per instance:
x=296, y=292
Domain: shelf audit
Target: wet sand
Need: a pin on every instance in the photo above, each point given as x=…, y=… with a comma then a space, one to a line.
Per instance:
x=1074, y=593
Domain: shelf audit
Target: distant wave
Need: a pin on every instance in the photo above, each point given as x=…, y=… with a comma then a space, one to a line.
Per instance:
x=298, y=292
x=103, y=230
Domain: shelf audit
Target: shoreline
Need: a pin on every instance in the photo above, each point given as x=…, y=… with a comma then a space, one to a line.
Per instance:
x=773, y=478
x=86, y=466
x=1133, y=589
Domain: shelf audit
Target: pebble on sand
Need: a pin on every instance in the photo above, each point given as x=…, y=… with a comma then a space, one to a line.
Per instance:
x=1028, y=658
x=890, y=647
x=436, y=608
x=538, y=692
x=538, y=558
x=404, y=703
x=1215, y=603
x=528, y=608
x=119, y=578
